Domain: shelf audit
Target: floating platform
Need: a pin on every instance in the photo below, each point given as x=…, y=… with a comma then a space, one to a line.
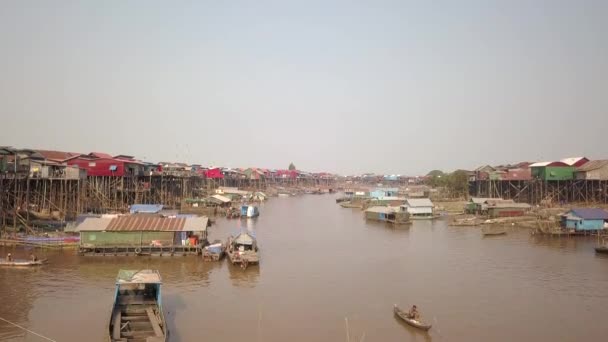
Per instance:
x=140, y=251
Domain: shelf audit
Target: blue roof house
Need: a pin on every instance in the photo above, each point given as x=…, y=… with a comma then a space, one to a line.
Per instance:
x=380, y=193
x=585, y=219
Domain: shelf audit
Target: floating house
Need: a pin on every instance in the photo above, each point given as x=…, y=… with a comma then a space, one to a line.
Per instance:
x=142, y=234
x=219, y=201
x=585, y=219
x=506, y=208
x=386, y=201
x=418, y=208
x=477, y=205
x=387, y=214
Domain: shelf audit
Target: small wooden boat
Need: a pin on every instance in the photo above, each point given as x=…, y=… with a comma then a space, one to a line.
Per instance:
x=404, y=316
x=601, y=249
x=214, y=252
x=22, y=262
x=492, y=231
x=137, y=314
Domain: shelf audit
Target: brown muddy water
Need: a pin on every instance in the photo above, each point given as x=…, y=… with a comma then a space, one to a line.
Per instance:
x=325, y=271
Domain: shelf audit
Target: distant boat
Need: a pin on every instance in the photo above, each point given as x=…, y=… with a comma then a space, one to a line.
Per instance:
x=22, y=263
x=404, y=316
x=137, y=314
x=491, y=231
x=249, y=211
x=601, y=249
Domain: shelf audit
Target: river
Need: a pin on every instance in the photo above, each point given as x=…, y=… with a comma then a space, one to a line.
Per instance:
x=327, y=275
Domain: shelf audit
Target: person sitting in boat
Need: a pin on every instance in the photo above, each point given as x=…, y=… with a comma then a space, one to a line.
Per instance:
x=9, y=257
x=33, y=257
x=414, y=313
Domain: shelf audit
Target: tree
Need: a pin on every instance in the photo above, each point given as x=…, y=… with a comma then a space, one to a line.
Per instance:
x=458, y=183
x=292, y=167
x=436, y=173
x=436, y=178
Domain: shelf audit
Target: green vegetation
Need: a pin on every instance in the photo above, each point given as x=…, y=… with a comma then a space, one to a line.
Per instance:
x=456, y=183
x=292, y=167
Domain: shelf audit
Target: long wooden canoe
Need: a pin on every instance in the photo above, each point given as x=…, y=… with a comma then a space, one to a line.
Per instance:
x=416, y=324
x=22, y=262
x=602, y=249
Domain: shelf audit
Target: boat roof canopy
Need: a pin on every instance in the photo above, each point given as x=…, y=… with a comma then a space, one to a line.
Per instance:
x=138, y=277
x=244, y=239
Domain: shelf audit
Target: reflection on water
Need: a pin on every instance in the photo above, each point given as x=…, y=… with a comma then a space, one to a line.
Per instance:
x=322, y=264
x=244, y=278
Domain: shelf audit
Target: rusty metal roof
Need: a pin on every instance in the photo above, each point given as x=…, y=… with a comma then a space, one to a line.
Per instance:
x=145, y=223
x=592, y=165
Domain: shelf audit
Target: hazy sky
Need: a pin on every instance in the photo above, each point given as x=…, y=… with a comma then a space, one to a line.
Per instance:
x=341, y=86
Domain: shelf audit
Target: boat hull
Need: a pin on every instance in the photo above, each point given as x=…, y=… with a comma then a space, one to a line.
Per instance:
x=601, y=250
x=414, y=323
x=137, y=314
x=22, y=263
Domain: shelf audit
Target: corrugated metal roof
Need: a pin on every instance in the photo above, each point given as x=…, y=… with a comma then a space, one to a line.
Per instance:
x=418, y=202
x=145, y=223
x=94, y=224
x=381, y=210
x=572, y=161
x=420, y=210
x=549, y=163
x=235, y=191
x=146, y=208
x=493, y=201
x=244, y=239
x=57, y=155
x=503, y=205
x=592, y=165
x=100, y=155
x=482, y=200
x=221, y=198
x=590, y=213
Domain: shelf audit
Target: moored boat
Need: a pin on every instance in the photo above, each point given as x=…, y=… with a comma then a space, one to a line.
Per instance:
x=492, y=231
x=249, y=211
x=415, y=323
x=137, y=314
x=601, y=249
x=22, y=262
x=243, y=249
x=214, y=252
x=387, y=214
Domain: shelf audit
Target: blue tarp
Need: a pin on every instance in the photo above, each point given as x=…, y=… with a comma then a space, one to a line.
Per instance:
x=146, y=208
